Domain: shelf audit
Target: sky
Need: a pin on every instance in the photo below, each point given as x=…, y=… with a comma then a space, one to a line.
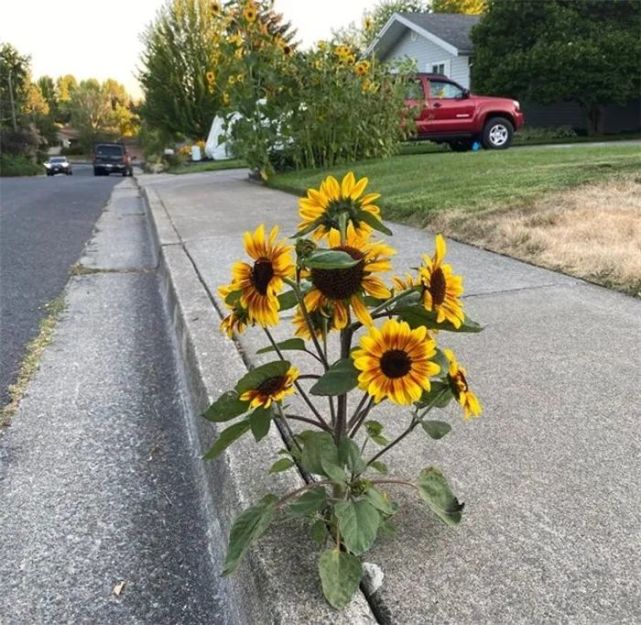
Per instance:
x=92, y=39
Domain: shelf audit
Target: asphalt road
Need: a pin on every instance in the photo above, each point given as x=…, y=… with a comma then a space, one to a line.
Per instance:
x=44, y=225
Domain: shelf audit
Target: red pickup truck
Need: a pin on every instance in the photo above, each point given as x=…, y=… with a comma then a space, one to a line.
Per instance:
x=447, y=113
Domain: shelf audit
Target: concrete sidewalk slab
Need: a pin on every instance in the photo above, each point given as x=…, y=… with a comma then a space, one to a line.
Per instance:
x=549, y=473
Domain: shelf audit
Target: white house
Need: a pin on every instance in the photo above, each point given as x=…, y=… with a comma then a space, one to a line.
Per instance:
x=439, y=42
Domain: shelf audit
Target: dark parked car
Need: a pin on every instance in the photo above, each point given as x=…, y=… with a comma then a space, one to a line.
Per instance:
x=109, y=158
x=58, y=165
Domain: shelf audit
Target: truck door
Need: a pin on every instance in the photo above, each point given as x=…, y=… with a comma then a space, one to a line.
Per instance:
x=450, y=110
x=416, y=102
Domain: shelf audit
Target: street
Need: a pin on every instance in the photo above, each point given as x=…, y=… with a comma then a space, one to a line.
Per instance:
x=44, y=225
x=102, y=516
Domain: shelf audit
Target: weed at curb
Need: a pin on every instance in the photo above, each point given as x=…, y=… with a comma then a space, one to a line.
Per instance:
x=31, y=360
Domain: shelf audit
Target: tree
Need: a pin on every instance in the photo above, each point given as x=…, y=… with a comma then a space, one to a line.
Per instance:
x=14, y=85
x=178, y=50
x=65, y=87
x=48, y=90
x=585, y=51
x=468, y=7
x=101, y=111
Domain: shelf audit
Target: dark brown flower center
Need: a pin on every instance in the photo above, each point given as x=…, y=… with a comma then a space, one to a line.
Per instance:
x=270, y=386
x=395, y=363
x=262, y=273
x=458, y=383
x=339, y=284
x=437, y=287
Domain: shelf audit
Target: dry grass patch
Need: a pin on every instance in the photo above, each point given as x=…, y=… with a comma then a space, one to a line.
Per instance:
x=31, y=360
x=592, y=232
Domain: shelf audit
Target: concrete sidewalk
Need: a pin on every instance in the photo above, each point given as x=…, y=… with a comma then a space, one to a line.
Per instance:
x=550, y=472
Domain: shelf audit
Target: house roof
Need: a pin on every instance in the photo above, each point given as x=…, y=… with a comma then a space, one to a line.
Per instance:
x=453, y=28
x=449, y=30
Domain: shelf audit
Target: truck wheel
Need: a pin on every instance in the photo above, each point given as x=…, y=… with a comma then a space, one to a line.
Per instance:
x=463, y=145
x=497, y=133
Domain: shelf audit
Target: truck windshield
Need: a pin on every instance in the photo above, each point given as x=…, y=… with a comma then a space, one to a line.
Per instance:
x=109, y=150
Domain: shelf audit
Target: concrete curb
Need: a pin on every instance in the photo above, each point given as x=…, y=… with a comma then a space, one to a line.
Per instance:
x=266, y=589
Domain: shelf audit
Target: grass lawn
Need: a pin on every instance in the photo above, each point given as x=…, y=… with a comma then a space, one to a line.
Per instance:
x=575, y=209
x=415, y=187
x=194, y=168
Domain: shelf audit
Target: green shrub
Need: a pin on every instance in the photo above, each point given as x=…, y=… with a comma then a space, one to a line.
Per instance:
x=11, y=165
x=539, y=135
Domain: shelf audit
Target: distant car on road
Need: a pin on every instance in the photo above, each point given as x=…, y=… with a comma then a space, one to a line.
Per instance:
x=58, y=165
x=109, y=158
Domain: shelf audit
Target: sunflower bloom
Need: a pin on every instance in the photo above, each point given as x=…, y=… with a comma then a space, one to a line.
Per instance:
x=238, y=318
x=261, y=281
x=335, y=291
x=271, y=390
x=395, y=362
x=211, y=77
x=441, y=288
x=320, y=324
x=362, y=68
x=323, y=207
x=249, y=13
x=458, y=382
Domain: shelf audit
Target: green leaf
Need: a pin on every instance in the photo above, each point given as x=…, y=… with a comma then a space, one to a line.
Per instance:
x=248, y=526
x=226, y=438
x=374, y=431
x=350, y=455
x=233, y=297
x=358, y=522
x=320, y=455
x=288, y=345
x=226, y=407
x=373, y=221
x=416, y=315
x=379, y=466
x=307, y=229
x=436, y=429
x=436, y=493
x=281, y=465
x=380, y=501
x=339, y=379
x=441, y=360
x=340, y=574
x=330, y=259
x=309, y=503
x=257, y=376
x=287, y=300
x=318, y=531
x=260, y=420
x=439, y=395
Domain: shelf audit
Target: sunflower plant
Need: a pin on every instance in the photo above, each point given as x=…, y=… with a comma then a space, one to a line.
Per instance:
x=370, y=344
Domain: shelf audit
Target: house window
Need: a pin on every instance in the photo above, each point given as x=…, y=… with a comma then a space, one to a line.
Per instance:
x=441, y=67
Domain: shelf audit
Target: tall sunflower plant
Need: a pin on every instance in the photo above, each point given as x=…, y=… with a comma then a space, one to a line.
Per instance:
x=372, y=344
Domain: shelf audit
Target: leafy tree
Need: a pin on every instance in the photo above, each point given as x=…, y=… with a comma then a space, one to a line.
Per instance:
x=178, y=50
x=14, y=84
x=468, y=7
x=585, y=51
x=65, y=87
x=101, y=111
x=48, y=90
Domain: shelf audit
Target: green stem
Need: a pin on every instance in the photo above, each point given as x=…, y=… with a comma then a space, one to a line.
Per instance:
x=308, y=321
x=416, y=419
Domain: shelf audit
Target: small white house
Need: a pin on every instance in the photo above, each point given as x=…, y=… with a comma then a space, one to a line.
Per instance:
x=439, y=42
